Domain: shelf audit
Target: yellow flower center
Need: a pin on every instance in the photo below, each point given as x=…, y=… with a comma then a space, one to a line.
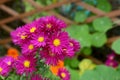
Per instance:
x=56, y=42
x=32, y=30
x=9, y=63
x=30, y=47
x=41, y=39
x=27, y=63
x=1, y=69
x=23, y=37
x=49, y=25
x=63, y=75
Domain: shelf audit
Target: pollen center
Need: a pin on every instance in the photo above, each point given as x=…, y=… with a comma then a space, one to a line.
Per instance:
x=63, y=75
x=30, y=47
x=49, y=25
x=23, y=37
x=1, y=69
x=9, y=63
x=32, y=30
x=41, y=39
x=56, y=42
x=27, y=63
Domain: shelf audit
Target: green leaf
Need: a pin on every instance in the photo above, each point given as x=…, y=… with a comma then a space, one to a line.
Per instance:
x=74, y=63
x=102, y=24
x=101, y=72
x=80, y=16
x=80, y=33
x=116, y=46
x=87, y=51
x=74, y=74
x=104, y=6
x=99, y=39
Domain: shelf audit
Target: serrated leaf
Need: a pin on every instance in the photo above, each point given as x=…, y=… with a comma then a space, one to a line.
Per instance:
x=98, y=39
x=116, y=46
x=102, y=24
x=80, y=16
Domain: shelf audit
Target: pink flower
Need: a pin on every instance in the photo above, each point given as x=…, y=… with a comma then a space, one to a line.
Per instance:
x=111, y=56
x=28, y=48
x=8, y=60
x=39, y=40
x=50, y=57
x=58, y=41
x=64, y=74
x=75, y=44
x=51, y=24
x=4, y=68
x=68, y=51
x=19, y=36
x=25, y=64
x=112, y=63
x=31, y=28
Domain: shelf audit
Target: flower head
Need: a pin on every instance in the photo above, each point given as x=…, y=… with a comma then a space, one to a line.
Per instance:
x=68, y=51
x=12, y=52
x=39, y=40
x=19, y=36
x=4, y=68
x=64, y=74
x=31, y=28
x=58, y=42
x=112, y=63
x=8, y=60
x=51, y=24
x=25, y=64
x=75, y=44
x=50, y=57
x=111, y=56
x=28, y=48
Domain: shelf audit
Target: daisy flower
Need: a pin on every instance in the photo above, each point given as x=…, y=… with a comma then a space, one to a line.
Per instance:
x=51, y=24
x=64, y=74
x=19, y=36
x=8, y=60
x=28, y=48
x=50, y=57
x=75, y=44
x=58, y=42
x=39, y=40
x=4, y=68
x=68, y=51
x=31, y=28
x=25, y=64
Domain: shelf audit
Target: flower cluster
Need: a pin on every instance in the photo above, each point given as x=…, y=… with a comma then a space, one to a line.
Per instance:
x=46, y=37
x=111, y=60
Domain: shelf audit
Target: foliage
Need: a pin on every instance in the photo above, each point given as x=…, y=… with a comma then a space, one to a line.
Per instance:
x=101, y=72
